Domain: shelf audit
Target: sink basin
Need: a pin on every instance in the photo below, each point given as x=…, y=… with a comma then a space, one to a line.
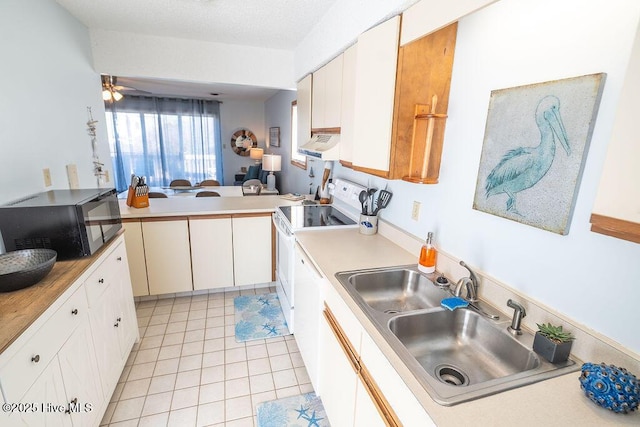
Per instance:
x=461, y=347
x=394, y=290
x=456, y=356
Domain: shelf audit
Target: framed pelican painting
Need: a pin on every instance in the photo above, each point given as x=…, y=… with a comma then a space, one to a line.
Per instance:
x=535, y=146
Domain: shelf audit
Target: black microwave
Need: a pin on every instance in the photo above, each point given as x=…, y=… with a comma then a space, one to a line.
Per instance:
x=74, y=223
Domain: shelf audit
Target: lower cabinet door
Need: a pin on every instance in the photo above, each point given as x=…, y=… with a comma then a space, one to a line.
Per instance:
x=366, y=414
x=81, y=378
x=49, y=400
x=338, y=379
x=105, y=340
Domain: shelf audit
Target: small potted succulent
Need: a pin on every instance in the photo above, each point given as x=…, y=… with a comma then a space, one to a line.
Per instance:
x=552, y=343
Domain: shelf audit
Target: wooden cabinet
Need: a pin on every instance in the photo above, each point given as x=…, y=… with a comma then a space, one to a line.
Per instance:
x=167, y=254
x=424, y=76
x=135, y=253
x=326, y=99
x=374, y=94
x=347, y=131
x=303, y=103
x=616, y=211
x=253, y=244
x=211, y=251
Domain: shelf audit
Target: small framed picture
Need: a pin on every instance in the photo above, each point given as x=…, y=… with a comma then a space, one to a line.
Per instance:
x=274, y=137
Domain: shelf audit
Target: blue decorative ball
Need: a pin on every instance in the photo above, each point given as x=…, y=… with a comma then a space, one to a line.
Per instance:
x=610, y=387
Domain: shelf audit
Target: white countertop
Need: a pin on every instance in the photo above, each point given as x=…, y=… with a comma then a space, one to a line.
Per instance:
x=554, y=402
x=186, y=206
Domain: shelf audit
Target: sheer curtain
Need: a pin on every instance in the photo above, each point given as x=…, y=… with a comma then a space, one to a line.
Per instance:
x=164, y=139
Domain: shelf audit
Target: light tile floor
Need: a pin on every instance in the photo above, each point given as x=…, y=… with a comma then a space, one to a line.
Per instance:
x=188, y=370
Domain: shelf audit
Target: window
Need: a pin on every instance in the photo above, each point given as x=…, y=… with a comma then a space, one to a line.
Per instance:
x=297, y=159
x=163, y=140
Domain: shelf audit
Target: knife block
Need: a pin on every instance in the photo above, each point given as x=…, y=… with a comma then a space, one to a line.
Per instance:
x=139, y=199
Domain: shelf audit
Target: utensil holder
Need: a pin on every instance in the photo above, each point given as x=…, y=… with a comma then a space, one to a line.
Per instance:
x=368, y=224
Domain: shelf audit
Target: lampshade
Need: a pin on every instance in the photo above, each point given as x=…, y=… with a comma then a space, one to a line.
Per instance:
x=272, y=162
x=256, y=154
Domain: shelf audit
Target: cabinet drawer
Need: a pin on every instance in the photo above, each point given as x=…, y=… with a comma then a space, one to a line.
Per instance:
x=98, y=281
x=29, y=362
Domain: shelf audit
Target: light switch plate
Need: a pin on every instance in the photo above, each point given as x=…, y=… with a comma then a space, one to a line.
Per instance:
x=72, y=174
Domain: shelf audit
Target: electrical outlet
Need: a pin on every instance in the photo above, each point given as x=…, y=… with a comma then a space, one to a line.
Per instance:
x=415, y=212
x=46, y=174
x=106, y=175
x=72, y=174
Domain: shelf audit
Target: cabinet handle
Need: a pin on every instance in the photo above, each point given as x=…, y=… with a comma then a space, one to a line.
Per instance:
x=36, y=358
x=119, y=258
x=100, y=280
x=116, y=324
x=119, y=319
x=74, y=311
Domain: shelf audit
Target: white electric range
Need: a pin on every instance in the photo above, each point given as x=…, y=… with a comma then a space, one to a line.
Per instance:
x=343, y=212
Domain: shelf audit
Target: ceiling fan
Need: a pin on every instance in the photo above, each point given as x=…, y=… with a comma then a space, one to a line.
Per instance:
x=112, y=92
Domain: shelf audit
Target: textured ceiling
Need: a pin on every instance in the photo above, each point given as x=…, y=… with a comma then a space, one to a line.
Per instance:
x=277, y=24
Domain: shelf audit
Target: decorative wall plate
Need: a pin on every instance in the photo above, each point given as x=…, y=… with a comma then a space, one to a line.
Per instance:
x=242, y=141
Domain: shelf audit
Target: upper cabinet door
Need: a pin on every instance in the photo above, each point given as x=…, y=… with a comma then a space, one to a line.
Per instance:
x=374, y=95
x=617, y=208
x=304, y=109
x=347, y=133
x=327, y=96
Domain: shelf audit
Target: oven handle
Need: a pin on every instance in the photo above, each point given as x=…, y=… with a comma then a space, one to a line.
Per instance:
x=281, y=230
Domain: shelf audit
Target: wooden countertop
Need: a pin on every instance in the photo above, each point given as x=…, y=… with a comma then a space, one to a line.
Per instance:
x=19, y=309
x=181, y=206
x=554, y=402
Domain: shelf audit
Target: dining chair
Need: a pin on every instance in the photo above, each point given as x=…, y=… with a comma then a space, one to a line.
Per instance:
x=157, y=195
x=207, y=194
x=210, y=183
x=180, y=183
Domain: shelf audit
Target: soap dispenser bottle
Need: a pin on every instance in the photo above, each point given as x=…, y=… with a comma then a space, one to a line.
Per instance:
x=427, y=263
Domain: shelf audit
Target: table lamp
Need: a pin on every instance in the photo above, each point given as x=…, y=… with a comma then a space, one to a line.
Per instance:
x=271, y=163
x=256, y=154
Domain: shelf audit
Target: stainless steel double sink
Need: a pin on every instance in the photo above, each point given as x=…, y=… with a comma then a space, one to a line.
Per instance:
x=458, y=355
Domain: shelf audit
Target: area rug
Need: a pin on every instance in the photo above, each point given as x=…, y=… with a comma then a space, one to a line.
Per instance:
x=259, y=317
x=304, y=410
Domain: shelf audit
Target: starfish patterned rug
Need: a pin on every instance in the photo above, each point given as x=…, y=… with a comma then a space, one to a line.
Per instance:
x=304, y=410
x=259, y=317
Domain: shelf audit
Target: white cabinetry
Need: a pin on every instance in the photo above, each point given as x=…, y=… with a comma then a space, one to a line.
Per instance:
x=347, y=131
x=112, y=316
x=327, y=95
x=68, y=361
x=303, y=103
x=135, y=253
x=167, y=254
x=307, y=282
x=374, y=95
x=211, y=251
x=252, y=249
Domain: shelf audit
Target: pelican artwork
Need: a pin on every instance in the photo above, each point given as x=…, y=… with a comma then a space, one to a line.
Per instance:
x=523, y=167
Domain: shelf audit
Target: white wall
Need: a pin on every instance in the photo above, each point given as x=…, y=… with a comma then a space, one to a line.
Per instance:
x=138, y=55
x=47, y=83
x=236, y=115
x=591, y=278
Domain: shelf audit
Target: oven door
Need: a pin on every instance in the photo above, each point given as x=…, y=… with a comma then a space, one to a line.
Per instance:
x=285, y=244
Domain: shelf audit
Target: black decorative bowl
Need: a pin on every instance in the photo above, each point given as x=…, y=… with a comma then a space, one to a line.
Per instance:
x=20, y=269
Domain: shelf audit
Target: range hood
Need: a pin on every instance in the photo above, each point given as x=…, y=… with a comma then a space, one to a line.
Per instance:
x=323, y=146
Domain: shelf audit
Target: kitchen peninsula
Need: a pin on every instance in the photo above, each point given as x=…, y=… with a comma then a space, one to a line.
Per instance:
x=184, y=244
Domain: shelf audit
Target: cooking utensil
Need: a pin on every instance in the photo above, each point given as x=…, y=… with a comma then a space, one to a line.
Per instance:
x=363, y=201
x=383, y=201
x=370, y=193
